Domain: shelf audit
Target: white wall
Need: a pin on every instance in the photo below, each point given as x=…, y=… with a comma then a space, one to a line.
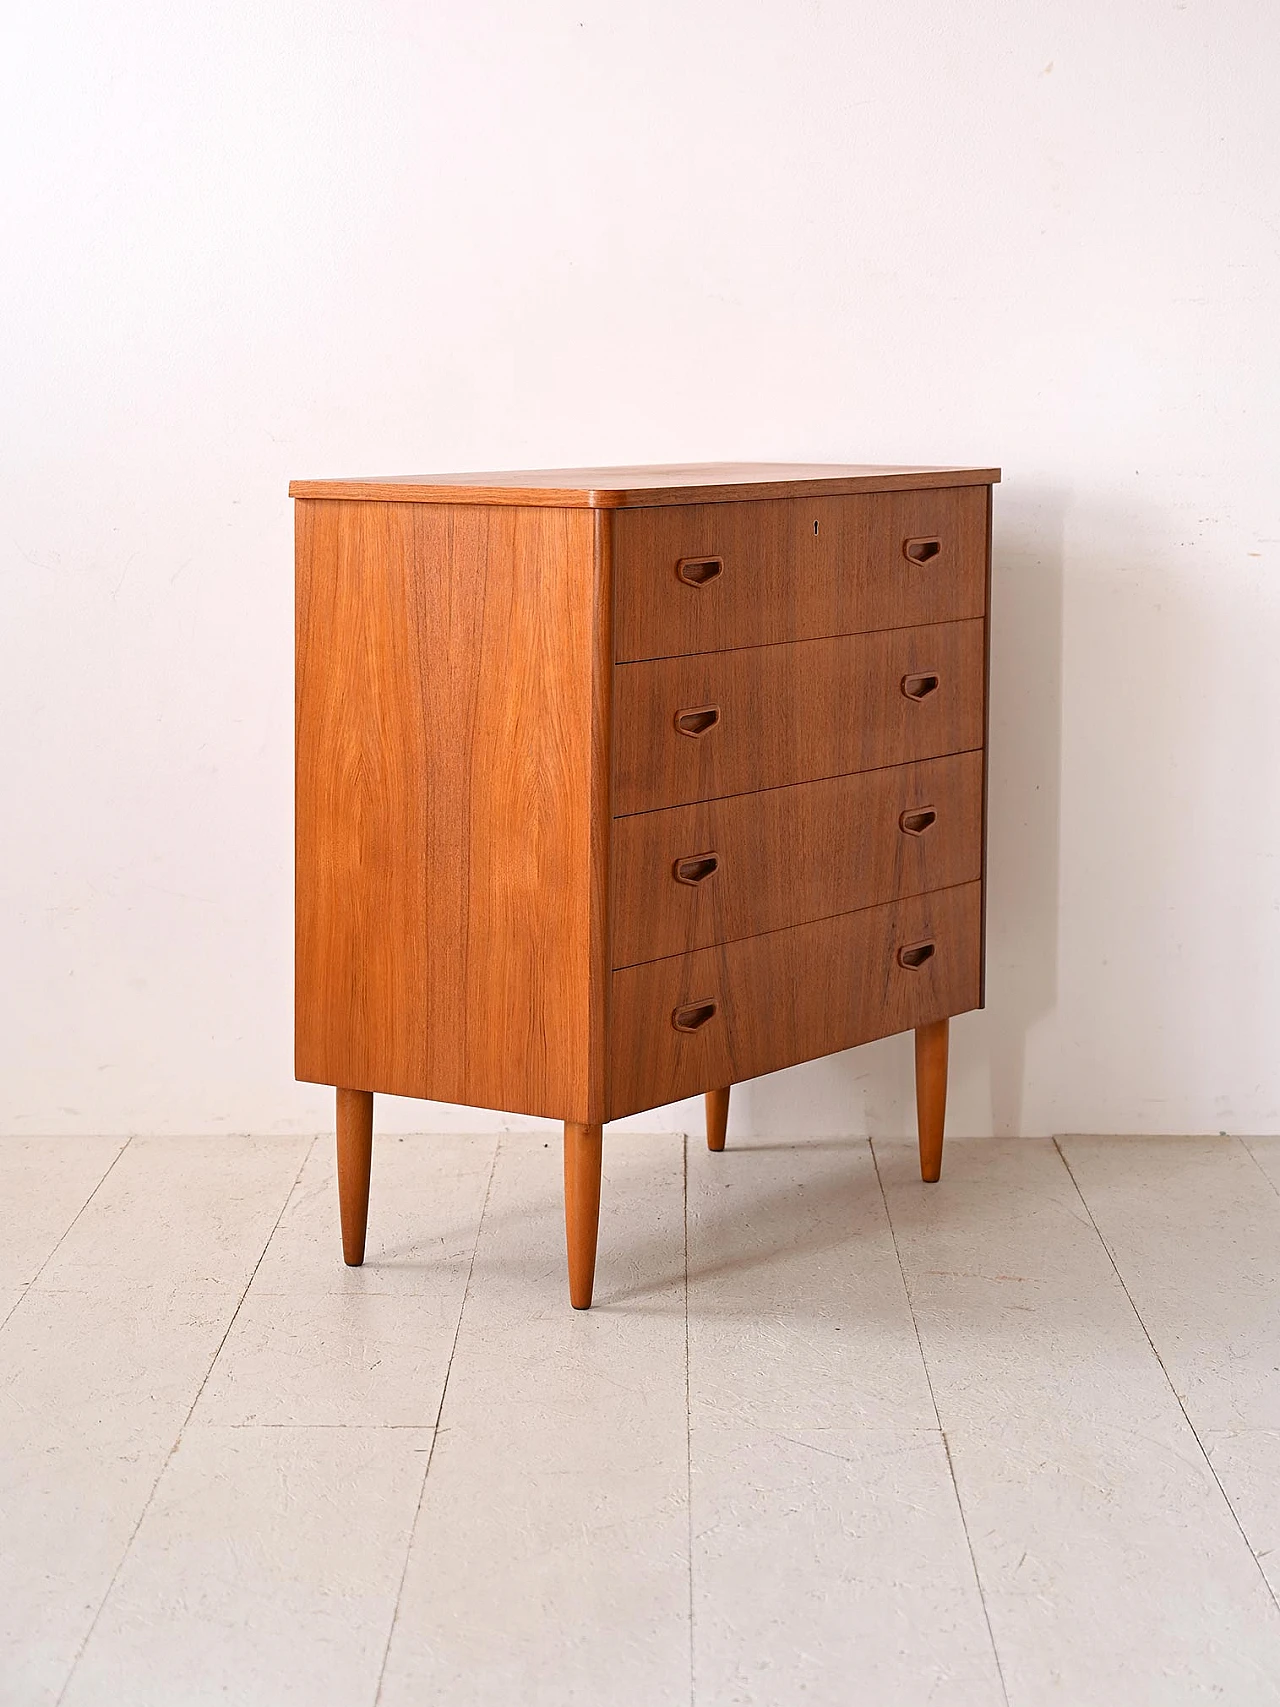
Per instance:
x=243, y=242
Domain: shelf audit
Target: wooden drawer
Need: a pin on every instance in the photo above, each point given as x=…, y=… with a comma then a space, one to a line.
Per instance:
x=761, y=1004
x=770, y=715
x=709, y=577
x=696, y=875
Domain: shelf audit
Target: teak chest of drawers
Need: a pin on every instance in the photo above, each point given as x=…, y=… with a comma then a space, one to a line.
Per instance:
x=620, y=785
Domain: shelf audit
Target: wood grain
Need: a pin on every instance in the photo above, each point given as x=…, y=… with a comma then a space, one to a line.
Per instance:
x=583, y=1156
x=793, y=713
x=796, y=569
x=623, y=488
x=355, y=1158
x=931, y=1095
x=789, y=855
x=446, y=701
x=790, y=995
x=600, y=809
x=986, y=748
x=717, y=1106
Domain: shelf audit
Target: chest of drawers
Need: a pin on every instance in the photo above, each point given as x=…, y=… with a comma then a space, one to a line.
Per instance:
x=617, y=786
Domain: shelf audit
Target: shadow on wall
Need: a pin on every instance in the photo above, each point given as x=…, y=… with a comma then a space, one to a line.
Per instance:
x=1024, y=797
x=871, y=1090
x=1168, y=974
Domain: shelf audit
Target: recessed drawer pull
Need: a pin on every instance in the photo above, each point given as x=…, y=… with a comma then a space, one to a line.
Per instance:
x=921, y=550
x=698, y=719
x=914, y=955
x=920, y=687
x=917, y=821
x=694, y=1015
x=696, y=869
x=697, y=571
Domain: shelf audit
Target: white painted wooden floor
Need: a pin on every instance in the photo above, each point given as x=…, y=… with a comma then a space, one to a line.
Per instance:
x=828, y=1436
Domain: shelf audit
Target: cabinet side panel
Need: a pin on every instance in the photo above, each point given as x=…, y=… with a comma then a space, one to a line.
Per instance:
x=986, y=750
x=444, y=777
x=601, y=930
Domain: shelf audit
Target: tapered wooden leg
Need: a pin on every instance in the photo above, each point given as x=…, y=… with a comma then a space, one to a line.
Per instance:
x=355, y=1154
x=931, y=1094
x=583, y=1152
x=717, y=1118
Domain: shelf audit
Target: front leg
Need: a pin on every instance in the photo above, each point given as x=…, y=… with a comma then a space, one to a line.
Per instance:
x=583, y=1154
x=931, y=1094
x=355, y=1157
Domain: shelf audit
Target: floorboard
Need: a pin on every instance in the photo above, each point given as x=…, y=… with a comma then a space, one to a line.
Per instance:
x=827, y=1435
x=1111, y=1565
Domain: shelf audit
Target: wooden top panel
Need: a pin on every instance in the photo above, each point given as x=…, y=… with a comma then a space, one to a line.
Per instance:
x=634, y=488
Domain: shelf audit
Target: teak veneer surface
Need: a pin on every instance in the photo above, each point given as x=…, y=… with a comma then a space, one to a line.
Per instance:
x=622, y=488
x=790, y=995
x=449, y=881
x=793, y=713
x=796, y=569
x=499, y=797
x=790, y=855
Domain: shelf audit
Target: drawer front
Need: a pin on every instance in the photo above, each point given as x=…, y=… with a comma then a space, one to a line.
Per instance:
x=696, y=1022
x=696, y=875
x=688, y=729
x=709, y=577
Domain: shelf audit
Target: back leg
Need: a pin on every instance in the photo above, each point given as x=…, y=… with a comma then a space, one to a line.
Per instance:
x=717, y=1118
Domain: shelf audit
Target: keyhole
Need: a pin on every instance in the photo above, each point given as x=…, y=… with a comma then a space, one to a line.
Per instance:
x=815, y=527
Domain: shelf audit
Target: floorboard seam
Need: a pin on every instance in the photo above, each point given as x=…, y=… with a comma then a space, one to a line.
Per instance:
x=62, y=1237
x=26, y=1287
x=435, y=1431
x=1195, y=1433
x=182, y=1427
x=977, y=1575
x=906, y=1290
x=946, y=1444
x=1248, y=1150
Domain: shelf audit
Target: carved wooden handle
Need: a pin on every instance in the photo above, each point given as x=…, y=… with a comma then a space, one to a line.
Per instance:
x=694, y=1015
x=696, y=868
x=921, y=550
x=917, y=820
x=921, y=686
x=914, y=955
x=698, y=719
x=697, y=571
